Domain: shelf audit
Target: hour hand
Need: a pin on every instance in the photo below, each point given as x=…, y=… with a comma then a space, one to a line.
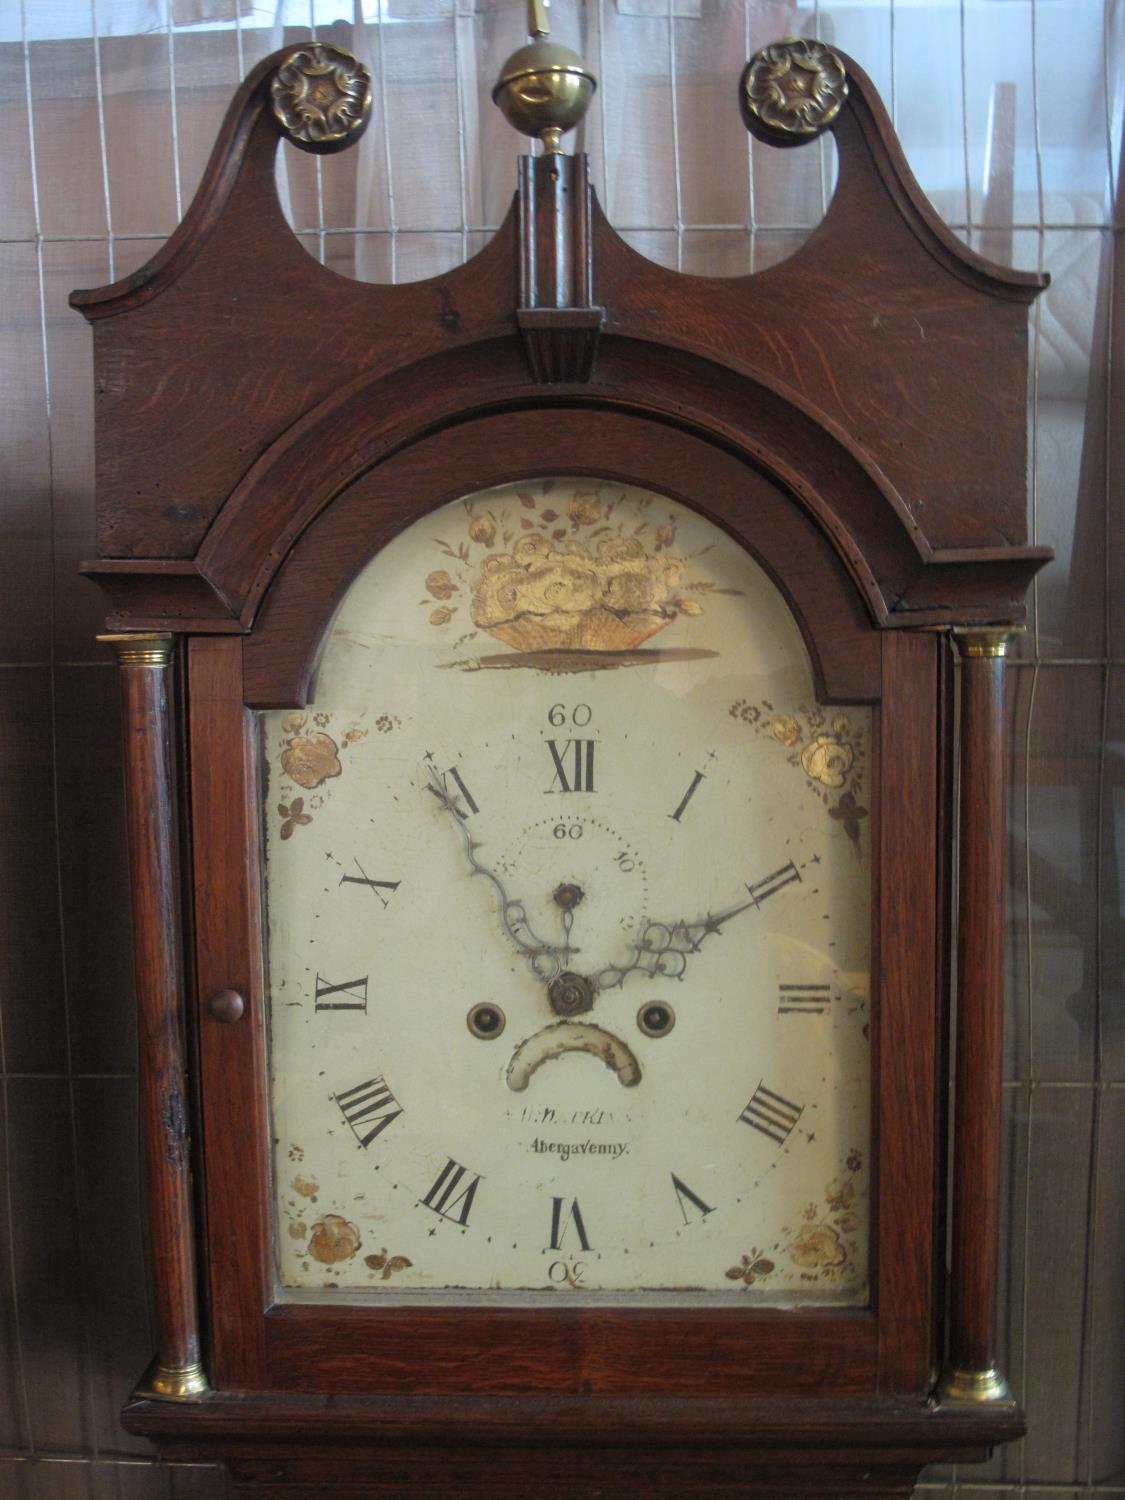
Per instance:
x=545, y=961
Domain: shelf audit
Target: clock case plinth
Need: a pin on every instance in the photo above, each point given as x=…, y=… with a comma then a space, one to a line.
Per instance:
x=574, y=1448
x=856, y=417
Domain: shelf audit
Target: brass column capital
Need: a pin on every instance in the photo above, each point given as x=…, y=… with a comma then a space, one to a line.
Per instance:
x=175, y=1382
x=974, y=1388
x=141, y=648
x=984, y=640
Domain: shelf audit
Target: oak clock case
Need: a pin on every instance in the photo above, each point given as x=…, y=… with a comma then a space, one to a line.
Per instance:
x=541, y=757
x=484, y=977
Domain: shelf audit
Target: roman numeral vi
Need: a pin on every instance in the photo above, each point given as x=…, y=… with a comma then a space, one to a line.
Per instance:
x=561, y=1222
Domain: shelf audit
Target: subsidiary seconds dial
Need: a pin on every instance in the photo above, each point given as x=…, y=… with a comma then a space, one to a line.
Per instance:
x=580, y=873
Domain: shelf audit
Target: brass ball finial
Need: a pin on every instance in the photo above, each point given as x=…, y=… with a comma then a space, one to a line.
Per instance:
x=544, y=89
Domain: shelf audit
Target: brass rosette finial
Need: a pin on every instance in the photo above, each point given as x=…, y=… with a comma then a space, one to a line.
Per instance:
x=321, y=98
x=544, y=89
x=791, y=91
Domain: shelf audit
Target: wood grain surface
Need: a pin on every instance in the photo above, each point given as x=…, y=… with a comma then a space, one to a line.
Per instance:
x=152, y=822
x=855, y=417
x=980, y=1016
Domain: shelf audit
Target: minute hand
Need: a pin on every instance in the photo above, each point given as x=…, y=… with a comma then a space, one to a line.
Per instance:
x=664, y=947
x=546, y=962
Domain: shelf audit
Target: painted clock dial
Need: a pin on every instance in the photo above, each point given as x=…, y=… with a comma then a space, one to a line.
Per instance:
x=568, y=893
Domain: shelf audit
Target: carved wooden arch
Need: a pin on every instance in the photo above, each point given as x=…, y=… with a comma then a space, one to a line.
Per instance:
x=901, y=577
x=878, y=374
x=826, y=473
x=499, y=446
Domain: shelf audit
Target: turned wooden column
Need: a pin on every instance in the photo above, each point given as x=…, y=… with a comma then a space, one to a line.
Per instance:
x=145, y=662
x=971, y=1373
x=557, y=316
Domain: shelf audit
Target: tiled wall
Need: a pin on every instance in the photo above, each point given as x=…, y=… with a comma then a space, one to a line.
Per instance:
x=1011, y=115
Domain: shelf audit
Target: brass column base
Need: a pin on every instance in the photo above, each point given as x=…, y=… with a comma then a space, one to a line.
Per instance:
x=174, y=1382
x=974, y=1387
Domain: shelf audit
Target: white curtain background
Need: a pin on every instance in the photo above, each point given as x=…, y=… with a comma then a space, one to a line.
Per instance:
x=1010, y=112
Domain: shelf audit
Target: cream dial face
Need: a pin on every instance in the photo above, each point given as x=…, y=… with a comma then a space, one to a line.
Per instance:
x=567, y=887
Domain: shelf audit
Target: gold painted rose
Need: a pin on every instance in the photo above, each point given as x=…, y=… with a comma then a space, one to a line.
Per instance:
x=827, y=759
x=482, y=530
x=786, y=730
x=333, y=1239
x=585, y=508
x=439, y=584
x=545, y=594
x=570, y=572
x=311, y=759
x=816, y=1246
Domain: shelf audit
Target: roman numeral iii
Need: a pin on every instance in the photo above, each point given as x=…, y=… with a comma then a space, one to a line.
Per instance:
x=574, y=766
x=452, y=1194
x=369, y=1108
x=803, y=999
x=771, y=1115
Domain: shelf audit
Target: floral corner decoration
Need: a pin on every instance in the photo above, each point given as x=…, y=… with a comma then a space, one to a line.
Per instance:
x=824, y=1247
x=830, y=750
x=310, y=757
x=333, y=1239
x=386, y=1265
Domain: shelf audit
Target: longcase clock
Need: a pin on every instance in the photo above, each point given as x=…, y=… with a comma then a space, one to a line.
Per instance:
x=547, y=690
